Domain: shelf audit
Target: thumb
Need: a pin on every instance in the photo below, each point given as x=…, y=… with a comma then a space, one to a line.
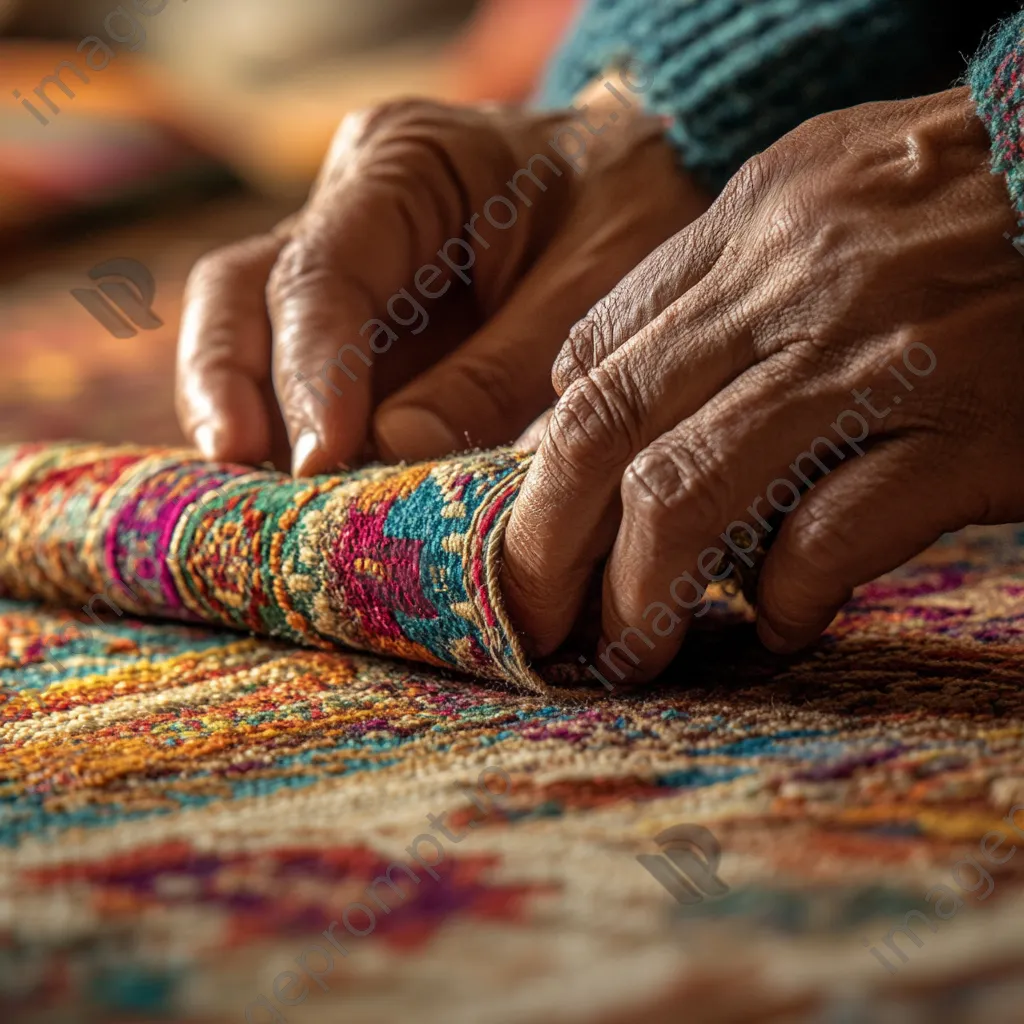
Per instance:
x=490, y=389
x=485, y=392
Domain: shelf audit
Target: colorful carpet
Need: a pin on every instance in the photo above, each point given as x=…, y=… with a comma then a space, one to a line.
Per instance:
x=400, y=560
x=208, y=826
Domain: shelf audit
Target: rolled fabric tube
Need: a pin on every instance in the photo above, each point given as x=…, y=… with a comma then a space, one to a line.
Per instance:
x=400, y=560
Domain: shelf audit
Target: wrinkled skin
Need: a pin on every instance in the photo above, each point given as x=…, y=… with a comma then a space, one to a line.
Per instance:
x=860, y=242
x=400, y=182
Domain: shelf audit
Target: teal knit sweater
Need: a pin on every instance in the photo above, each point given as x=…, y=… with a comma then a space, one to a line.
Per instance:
x=736, y=75
x=996, y=77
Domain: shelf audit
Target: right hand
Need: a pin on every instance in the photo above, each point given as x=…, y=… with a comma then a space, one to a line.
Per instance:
x=716, y=392
x=397, y=215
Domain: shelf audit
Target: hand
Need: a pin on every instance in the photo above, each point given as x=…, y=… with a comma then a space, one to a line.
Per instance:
x=841, y=338
x=393, y=297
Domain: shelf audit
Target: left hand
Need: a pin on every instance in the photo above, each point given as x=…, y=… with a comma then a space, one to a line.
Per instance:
x=840, y=337
x=413, y=306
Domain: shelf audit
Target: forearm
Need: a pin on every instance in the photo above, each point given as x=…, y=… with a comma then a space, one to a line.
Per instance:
x=735, y=76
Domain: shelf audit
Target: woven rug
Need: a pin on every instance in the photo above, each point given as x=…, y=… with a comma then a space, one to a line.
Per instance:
x=200, y=822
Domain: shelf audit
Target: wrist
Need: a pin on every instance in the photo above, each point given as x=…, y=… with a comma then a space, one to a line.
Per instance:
x=606, y=119
x=609, y=121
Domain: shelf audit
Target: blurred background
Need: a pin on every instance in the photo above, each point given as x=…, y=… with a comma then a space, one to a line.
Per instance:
x=200, y=123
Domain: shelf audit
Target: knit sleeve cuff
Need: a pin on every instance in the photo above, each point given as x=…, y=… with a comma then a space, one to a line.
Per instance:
x=733, y=76
x=996, y=79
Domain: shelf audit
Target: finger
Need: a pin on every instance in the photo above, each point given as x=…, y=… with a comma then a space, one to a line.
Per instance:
x=866, y=518
x=481, y=395
x=223, y=377
x=685, y=498
x=562, y=523
x=338, y=296
x=490, y=388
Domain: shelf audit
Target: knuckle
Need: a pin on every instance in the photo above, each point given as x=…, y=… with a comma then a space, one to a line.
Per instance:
x=635, y=301
x=403, y=112
x=220, y=284
x=209, y=267
x=411, y=137
x=302, y=264
x=659, y=275
x=589, y=341
x=676, y=318
x=829, y=128
x=590, y=429
x=750, y=183
x=400, y=156
x=361, y=127
x=800, y=362
x=673, y=485
x=569, y=365
x=217, y=267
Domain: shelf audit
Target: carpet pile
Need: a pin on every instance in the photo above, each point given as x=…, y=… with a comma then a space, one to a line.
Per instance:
x=229, y=817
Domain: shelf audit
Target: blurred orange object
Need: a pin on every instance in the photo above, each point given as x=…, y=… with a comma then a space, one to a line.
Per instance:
x=109, y=137
x=501, y=55
x=129, y=121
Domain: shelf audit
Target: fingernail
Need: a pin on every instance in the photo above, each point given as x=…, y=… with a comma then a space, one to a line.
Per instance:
x=775, y=643
x=305, y=446
x=205, y=439
x=415, y=435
